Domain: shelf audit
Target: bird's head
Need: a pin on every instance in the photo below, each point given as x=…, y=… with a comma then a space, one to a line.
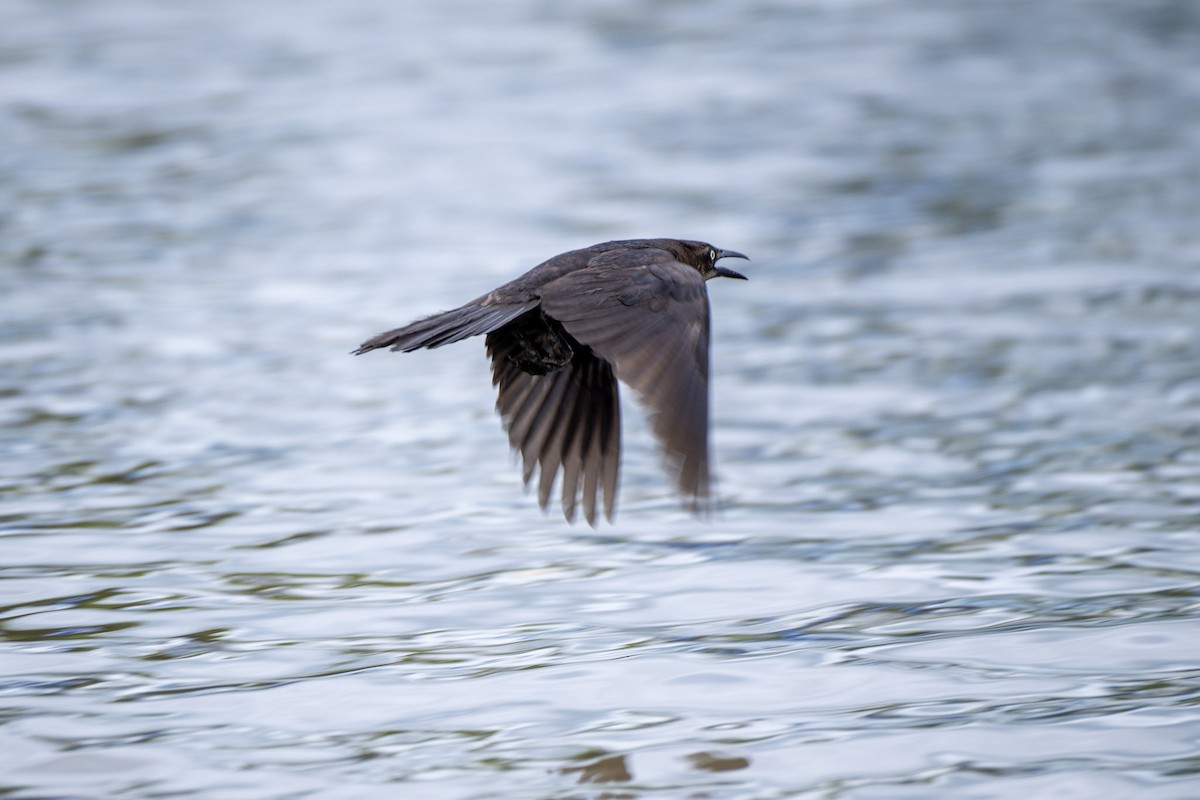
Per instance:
x=704, y=258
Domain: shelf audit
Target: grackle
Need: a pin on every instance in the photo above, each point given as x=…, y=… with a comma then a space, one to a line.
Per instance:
x=560, y=335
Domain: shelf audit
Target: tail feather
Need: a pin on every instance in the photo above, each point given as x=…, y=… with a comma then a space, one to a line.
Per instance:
x=447, y=327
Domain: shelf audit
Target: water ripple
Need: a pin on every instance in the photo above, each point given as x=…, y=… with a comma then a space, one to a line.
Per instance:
x=956, y=408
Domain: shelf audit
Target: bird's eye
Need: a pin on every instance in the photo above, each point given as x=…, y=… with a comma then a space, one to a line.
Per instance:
x=712, y=256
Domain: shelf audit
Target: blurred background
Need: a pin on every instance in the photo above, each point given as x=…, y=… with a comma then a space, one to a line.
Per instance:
x=956, y=407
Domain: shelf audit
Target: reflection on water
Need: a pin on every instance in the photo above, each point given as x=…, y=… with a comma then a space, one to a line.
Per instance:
x=956, y=407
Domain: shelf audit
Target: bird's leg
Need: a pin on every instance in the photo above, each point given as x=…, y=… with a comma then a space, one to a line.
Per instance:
x=541, y=345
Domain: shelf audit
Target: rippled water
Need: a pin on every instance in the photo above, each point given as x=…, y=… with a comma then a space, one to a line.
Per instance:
x=957, y=407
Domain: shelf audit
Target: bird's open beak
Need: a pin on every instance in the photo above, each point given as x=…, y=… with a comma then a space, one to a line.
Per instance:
x=728, y=273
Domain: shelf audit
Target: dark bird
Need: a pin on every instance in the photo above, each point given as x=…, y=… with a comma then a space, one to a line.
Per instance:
x=560, y=335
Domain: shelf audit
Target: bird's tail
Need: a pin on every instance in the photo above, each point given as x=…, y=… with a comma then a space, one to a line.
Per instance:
x=449, y=326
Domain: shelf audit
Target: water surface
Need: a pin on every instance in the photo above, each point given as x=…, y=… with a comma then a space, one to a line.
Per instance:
x=956, y=407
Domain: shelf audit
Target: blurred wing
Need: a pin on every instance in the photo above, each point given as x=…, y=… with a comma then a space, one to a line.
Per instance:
x=651, y=322
x=568, y=419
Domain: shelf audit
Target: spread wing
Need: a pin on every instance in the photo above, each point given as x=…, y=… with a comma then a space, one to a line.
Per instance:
x=650, y=320
x=567, y=419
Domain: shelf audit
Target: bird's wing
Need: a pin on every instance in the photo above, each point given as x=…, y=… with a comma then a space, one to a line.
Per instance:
x=568, y=419
x=651, y=321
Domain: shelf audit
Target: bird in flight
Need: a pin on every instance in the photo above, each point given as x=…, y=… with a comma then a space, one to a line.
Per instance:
x=562, y=334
